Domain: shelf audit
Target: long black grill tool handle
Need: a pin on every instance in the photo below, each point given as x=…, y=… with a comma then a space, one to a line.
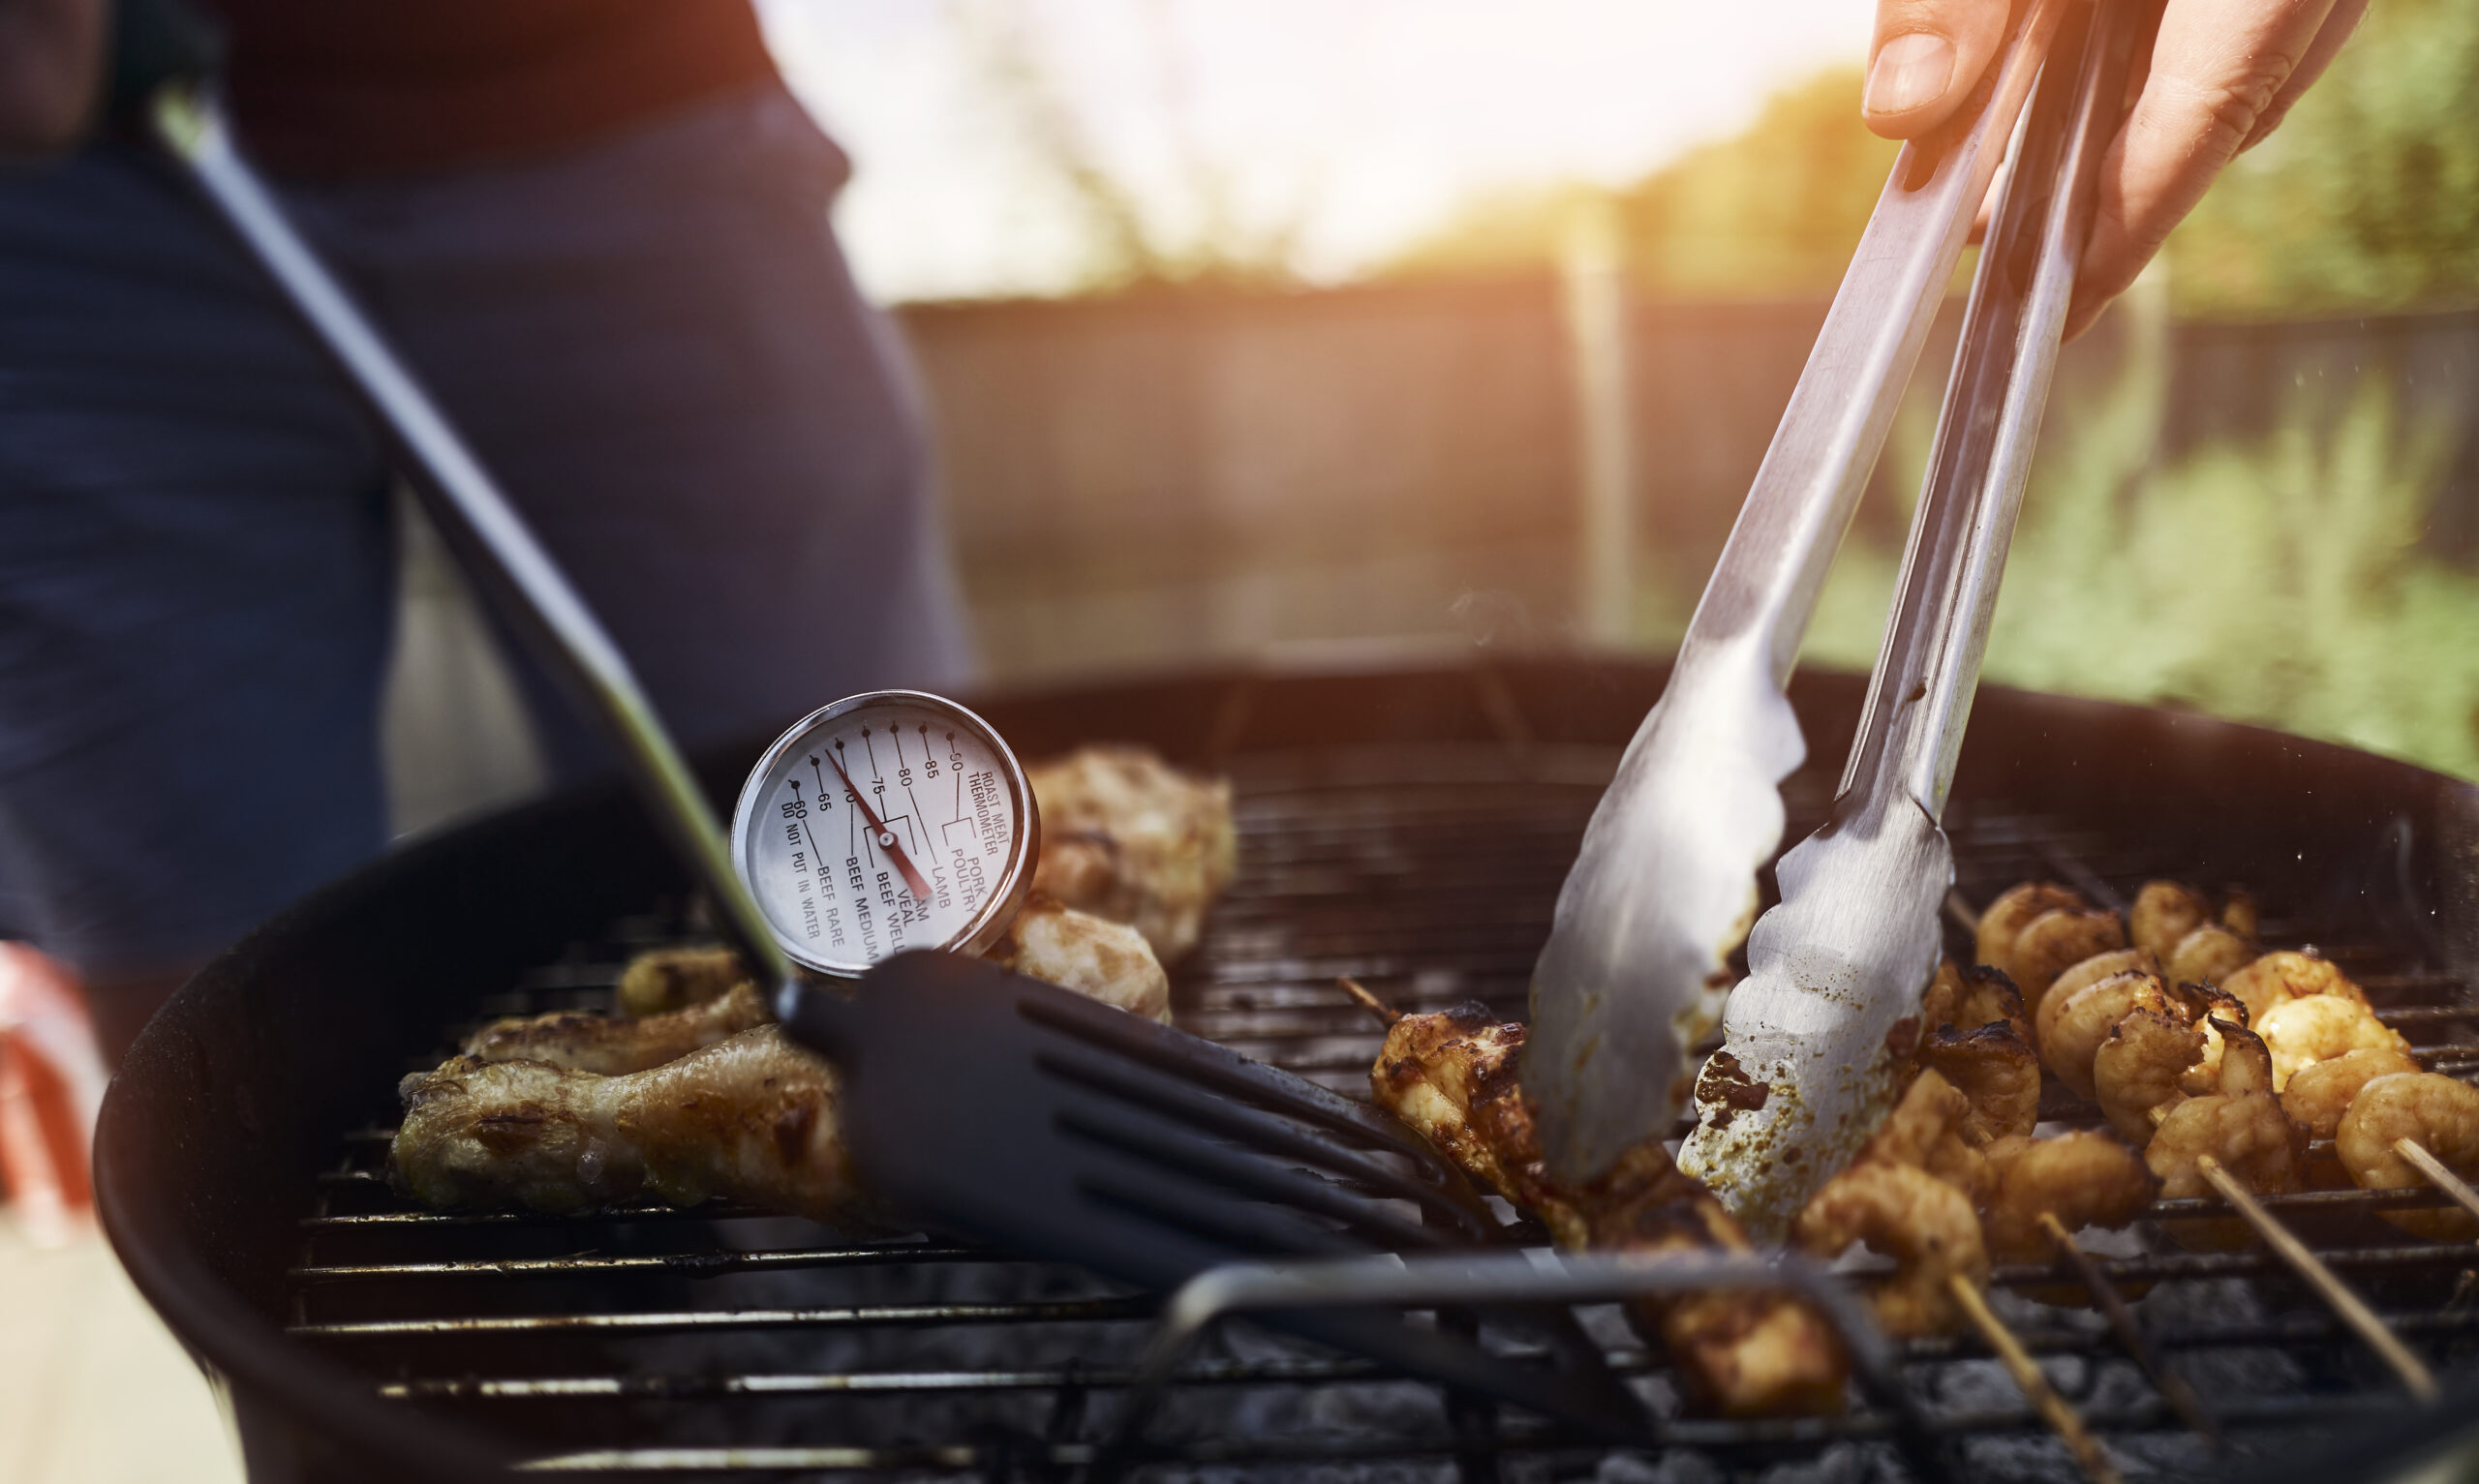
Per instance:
x=474, y=515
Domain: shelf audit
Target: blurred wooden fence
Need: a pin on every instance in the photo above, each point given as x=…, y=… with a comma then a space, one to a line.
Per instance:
x=1168, y=480
x=1165, y=478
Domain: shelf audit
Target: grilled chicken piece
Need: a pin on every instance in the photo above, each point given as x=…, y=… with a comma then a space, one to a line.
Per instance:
x=2143, y=1062
x=2318, y=1096
x=571, y=1110
x=752, y=1117
x=1910, y=1196
x=1993, y=1069
x=1939, y=1205
x=2278, y=977
x=2319, y=1028
x=2083, y=1178
x=2243, y=1127
x=1110, y=961
x=2004, y=918
x=2438, y=1113
x=1978, y=1038
x=1054, y=943
x=1127, y=838
x=2163, y=913
x=1452, y=1076
x=1968, y=999
x=2208, y=956
x=2072, y=1029
x=584, y=1041
x=1926, y=1225
x=668, y=979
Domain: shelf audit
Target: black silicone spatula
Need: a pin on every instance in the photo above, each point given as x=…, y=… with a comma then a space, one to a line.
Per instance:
x=1007, y=1110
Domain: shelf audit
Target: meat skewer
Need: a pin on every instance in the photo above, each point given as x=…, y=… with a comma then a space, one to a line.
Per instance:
x=2338, y=1295
x=1911, y=1193
x=2173, y=1387
x=2299, y=1052
x=2054, y=1410
x=2435, y=1114
x=1451, y=1075
x=1918, y=1194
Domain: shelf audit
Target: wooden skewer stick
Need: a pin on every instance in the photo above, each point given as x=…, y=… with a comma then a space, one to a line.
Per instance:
x=2061, y=1416
x=1961, y=911
x=2173, y=1387
x=1385, y=1012
x=2437, y=1173
x=2328, y=1287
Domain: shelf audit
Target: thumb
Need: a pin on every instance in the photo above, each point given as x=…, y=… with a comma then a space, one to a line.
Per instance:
x=1924, y=60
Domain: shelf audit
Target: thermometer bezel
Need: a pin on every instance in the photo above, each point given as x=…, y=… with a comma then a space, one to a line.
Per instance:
x=1015, y=875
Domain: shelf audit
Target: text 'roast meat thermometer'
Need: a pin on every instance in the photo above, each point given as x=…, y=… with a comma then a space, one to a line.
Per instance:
x=887, y=821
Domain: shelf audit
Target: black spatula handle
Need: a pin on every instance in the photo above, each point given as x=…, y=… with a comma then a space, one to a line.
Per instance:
x=823, y=1017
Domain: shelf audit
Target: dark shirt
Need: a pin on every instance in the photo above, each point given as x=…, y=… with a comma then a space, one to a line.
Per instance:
x=333, y=88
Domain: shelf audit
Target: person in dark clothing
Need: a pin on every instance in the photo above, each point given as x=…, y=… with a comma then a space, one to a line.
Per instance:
x=597, y=228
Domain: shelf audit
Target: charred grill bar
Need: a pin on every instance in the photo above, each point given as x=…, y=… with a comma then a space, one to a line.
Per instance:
x=1408, y=830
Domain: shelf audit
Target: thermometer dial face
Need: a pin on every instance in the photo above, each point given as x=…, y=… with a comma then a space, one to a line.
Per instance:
x=887, y=821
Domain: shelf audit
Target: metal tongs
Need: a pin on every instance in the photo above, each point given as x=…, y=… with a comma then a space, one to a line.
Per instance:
x=1637, y=965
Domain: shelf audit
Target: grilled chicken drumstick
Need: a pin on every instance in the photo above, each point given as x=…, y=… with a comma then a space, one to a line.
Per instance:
x=572, y=1110
x=752, y=1117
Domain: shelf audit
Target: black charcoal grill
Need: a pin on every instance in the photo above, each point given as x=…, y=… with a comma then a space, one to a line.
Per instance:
x=1409, y=828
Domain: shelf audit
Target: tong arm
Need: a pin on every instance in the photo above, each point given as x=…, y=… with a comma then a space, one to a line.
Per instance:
x=1910, y=730
x=1814, y=471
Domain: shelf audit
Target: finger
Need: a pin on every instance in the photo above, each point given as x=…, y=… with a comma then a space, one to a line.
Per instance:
x=2216, y=68
x=1924, y=60
x=2343, y=19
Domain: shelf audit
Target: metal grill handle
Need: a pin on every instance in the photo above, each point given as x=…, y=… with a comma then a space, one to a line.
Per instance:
x=1457, y=1280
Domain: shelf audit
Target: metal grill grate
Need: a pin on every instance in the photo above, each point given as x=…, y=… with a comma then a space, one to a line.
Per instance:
x=731, y=1341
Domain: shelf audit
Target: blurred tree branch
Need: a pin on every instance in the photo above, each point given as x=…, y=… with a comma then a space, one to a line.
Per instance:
x=1133, y=235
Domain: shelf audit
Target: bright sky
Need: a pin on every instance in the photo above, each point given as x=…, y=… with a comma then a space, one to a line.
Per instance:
x=1354, y=125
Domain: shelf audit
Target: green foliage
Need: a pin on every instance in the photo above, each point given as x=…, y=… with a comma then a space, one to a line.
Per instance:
x=1773, y=213
x=2368, y=197
x=2278, y=583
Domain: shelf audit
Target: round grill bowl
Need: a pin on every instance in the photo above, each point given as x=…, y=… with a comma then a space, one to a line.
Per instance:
x=233, y=1099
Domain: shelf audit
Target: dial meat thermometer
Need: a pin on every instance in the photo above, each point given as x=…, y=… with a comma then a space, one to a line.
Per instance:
x=886, y=821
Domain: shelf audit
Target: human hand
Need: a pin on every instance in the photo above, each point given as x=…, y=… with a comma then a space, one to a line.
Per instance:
x=51, y=73
x=2218, y=76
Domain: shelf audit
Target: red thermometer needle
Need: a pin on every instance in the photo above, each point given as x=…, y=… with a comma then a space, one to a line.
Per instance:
x=885, y=837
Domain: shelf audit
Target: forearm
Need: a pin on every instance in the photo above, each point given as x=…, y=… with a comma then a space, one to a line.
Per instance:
x=51, y=73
